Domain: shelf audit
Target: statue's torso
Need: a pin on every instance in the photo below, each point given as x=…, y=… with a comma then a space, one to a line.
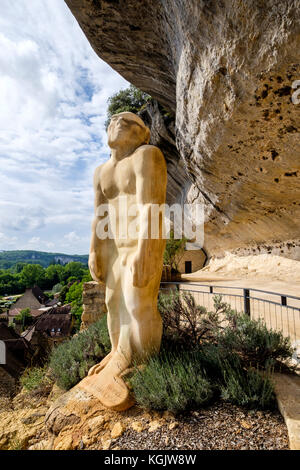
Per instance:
x=118, y=185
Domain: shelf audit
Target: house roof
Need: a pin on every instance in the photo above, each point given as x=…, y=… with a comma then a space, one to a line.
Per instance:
x=17, y=350
x=52, y=302
x=54, y=324
x=16, y=311
x=39, y=294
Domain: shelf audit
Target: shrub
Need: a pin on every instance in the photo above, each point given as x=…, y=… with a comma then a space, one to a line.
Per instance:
x=71, y=360
x=57, y=288
x=171, y=382
x=24, y=318
x=249, y=388
x=254, y=342
x=183, y=320
x=36, y=380
x=174, y=251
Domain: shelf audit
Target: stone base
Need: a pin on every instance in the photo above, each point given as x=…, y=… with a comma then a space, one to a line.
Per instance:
x=93, y=299
x=287, y=389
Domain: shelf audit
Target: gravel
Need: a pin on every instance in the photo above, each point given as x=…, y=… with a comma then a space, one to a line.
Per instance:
x=220, y=427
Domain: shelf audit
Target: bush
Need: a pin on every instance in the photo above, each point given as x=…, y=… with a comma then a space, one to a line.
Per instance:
x=174, y=251
x=71, y=360
x=257, y=345
x=36, y=380
x=183, y=320
x=248, y=388
x=57, y=288
x=171, y=382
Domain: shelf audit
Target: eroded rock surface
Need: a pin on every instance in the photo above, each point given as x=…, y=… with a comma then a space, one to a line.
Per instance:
x=225, y=70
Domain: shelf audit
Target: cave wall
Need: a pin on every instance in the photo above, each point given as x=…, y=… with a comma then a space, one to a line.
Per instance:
x=224, y=69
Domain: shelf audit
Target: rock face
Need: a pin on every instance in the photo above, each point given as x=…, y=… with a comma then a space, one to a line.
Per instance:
x=224, y=69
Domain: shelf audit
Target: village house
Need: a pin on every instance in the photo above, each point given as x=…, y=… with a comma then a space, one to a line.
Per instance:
x=52, y=327
x=33, y=298
x=18, y=353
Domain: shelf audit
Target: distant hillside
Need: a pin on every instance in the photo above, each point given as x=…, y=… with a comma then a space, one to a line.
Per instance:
x=10, y=258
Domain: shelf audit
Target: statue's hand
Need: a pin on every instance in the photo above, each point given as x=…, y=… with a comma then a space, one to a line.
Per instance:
x=94, y=268
x=140, y=275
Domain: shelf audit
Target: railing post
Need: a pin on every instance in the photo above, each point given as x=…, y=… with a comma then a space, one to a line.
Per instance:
x=246, y=302
x=211, y=289
x=283, y=300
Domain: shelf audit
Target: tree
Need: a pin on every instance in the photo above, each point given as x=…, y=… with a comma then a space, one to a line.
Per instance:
x=131, y=99
x=74, y=296
x=74, y=269
x=174, y=251
x=32, y=274
x=24, y=317
x=54, y=274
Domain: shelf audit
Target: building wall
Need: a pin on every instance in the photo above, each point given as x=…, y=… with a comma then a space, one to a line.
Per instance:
x=197, y=258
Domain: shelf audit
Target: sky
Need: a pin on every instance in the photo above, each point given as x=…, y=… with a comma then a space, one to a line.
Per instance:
x=53, y=101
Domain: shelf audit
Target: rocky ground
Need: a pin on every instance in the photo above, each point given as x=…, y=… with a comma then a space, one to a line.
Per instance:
x=220, y=426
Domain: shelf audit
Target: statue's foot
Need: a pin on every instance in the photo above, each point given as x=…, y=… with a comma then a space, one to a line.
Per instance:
x=108, y=386
x=97, y=368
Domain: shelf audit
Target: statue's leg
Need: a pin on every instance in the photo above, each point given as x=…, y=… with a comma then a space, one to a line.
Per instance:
x=112, y=301
x=145, y=320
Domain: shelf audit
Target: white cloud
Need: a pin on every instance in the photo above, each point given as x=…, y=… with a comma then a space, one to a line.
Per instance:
x=34, y=240
x=53, y=99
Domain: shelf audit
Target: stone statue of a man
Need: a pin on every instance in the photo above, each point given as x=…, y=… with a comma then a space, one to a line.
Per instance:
x=130, y=266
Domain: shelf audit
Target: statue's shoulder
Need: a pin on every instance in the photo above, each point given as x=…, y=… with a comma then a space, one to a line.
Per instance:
x=98, y=170
x=147, y=156
x=97, y=174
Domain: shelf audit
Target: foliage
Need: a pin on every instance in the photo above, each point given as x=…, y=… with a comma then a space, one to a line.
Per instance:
x=250, y=388
x=131, y=99
x=16, y=258
x=172, y=382
x=15, y=281
x=199, y=354
x=190, y=324
x=183, y=320
x=74, y=297
x=36, y=380
x=57, y=288
x=24, y=317
x=174, y=251
x=254, y=342
x=71, y=360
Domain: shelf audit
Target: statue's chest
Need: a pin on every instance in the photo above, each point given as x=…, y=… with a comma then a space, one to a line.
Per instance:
x=117, y=178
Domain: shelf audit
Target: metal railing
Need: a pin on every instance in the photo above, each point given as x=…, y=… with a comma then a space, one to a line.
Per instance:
x=280, y=312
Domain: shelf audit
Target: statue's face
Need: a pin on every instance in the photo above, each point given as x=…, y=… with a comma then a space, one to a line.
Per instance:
x=126, y=130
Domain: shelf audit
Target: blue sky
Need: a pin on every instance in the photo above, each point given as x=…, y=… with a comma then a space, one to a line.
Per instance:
x=53, y=101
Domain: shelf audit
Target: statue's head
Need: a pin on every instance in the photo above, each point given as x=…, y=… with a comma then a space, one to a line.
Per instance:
x=127, y=130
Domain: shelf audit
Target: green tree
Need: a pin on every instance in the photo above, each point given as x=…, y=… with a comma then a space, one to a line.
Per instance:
x=174, y=251
x=74, y=296
x=32, y=274
x=131, y=99
x=73, y=269
x=24, y=317
x=54, y=274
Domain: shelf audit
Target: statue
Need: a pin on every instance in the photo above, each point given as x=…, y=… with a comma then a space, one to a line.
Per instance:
x=129, y=266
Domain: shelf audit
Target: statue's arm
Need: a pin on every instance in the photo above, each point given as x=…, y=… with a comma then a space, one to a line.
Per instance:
x=151, y=183
x=95, y=245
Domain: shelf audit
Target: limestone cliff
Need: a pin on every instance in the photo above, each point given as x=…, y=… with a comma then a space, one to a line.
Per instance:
x=224, y=69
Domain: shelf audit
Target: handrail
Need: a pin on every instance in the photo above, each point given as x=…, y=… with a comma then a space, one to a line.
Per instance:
x=231, y=287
